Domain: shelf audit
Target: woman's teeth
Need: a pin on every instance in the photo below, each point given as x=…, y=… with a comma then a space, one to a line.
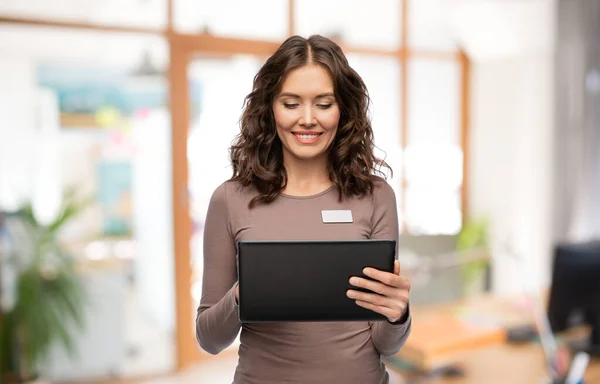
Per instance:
x=308, y=137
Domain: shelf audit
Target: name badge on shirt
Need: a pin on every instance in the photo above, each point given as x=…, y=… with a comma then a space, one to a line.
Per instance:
x=336, y=216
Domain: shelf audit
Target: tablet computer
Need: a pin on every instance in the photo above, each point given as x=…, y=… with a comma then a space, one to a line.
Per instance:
x=307, y=280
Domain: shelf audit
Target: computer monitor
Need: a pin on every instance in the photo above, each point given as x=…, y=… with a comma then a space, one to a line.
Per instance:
x=575, y=292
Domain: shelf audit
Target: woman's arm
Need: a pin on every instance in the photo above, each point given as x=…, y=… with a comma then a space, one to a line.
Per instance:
x=217, y=322
x=388, y=338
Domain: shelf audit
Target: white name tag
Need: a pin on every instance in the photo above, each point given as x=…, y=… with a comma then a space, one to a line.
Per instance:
x=336, y=216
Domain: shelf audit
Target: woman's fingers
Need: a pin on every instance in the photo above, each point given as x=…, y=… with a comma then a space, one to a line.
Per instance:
x=373, y=286
x=392, y=314
x=392, y=309
x=400, y=284
x=387, y=278
x=389, y=292
x=372, y=298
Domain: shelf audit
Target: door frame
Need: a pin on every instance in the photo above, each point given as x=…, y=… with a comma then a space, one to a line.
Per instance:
x=183, y=50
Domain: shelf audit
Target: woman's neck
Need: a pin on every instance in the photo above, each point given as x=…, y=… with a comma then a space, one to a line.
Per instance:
x=306, y=178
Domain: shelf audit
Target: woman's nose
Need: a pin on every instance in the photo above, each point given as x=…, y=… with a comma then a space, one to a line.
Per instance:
x=307, y=119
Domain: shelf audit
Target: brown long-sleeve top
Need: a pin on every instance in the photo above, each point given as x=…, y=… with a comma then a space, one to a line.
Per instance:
x=293, y=352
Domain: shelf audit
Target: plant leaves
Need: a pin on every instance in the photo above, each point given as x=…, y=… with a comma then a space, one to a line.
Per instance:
x=50, y=297
x=7, y=350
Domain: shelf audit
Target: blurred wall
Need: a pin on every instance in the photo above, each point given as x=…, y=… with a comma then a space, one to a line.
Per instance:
x=577, y=163
x=511, y=139
x=511, y=148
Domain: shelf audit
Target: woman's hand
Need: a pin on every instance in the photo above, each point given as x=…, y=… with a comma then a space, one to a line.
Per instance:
x=390, y=292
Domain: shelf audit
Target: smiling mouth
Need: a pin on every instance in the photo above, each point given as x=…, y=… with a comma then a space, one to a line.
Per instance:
x=307, y=137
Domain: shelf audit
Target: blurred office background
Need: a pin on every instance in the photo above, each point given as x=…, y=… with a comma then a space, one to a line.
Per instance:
x=487, y=111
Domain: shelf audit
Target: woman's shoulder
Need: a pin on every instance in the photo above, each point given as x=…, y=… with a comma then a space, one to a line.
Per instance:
x=232, y=192
x=380, y=184
x=382, y=190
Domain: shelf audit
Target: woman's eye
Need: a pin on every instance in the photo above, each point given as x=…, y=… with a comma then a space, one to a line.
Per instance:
x=324, y=106
x=290, y=106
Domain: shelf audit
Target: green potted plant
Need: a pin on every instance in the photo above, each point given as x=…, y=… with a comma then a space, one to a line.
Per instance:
x=48, y=295
x=473, y=238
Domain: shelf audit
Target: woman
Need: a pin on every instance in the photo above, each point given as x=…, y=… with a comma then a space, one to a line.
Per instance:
x=305, y=145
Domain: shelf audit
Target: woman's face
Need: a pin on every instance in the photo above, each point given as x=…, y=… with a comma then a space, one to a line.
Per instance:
x=306, y=114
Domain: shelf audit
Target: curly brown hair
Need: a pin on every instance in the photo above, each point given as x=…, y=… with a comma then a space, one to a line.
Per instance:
x=256, y=153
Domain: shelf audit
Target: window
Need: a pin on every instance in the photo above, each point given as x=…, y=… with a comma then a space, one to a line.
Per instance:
x=428, y=167
x=433, y=151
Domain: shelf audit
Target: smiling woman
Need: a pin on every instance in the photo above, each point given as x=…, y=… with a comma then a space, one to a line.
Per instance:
x=305, y=145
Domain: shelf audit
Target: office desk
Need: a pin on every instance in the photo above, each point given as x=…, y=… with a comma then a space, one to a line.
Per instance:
x=497, y=362
x=502, y=364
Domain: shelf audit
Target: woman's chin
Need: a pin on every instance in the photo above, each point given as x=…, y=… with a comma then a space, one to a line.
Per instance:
x=308, y=155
